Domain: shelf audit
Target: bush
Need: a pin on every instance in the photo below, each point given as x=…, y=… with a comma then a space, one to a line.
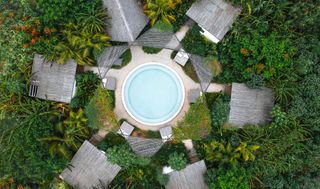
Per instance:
x=161, y=157
x=126, y=57
x=163, y=179
x=284, y=146
x=189, y=70
x=125, y=157
x=305, y=102
x=225, y=153
x=100, y=113
x=177, y=161
x=61, y=12
x=87, y=84
x=180, y=14
x=195, y=43
x=220, y=111
x=83, y=39
x=196, y=123
x=254, y=54
x=151, y=50
x=112, y=139
x=222, y=178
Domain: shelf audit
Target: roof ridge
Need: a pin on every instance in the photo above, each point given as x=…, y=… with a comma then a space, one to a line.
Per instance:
x=124, y=19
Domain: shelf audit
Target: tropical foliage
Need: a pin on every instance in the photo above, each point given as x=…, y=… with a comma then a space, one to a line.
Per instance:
x=225, y=153
x=177, y=161
x=87, y=83
x=196, y=124
x=82, y=40
x=69, y=135
x=125, y=157
x=227, y=178
x=161, y=10
x=272, y=43
x=100, y=111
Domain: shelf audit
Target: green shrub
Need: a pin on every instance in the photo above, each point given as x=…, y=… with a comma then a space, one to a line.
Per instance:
x=87, y=84
x=125, y=157
x=196, y=123
x=305, y=102
x=69, y=134
x=163, y=179
x=19, y=144
x=161, y=157
x=111, y=139
x=151, y=50
x=126, y=57
x=225, y=153
x=100, y=113
x=279, y=118
x=220, y=111
x=223, y=178
x=195, y=43
x=189, y=70
x=177, y=161
x=180, y=14
x=254, y=54
x=256, y=81
x=83, y=39
x=284, y=146
x=54, y=12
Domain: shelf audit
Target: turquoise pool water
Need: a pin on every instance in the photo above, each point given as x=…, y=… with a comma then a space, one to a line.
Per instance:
x=153, y=94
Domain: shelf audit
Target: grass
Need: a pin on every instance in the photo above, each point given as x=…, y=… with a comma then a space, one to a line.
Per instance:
x=188, y=68
x=151, y=50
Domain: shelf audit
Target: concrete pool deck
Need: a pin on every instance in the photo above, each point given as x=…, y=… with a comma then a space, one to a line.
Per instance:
x=139, y=57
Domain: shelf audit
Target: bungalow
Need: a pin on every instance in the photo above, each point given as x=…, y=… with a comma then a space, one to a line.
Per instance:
x=89, y=168
x=190, y=177
x=215, y=17
x=127, y=19
x=250, y=106
x=52, y=81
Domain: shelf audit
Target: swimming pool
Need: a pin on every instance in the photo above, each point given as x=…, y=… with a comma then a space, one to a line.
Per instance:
x=153, y=94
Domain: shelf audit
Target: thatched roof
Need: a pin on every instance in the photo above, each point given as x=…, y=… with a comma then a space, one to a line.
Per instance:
x=189, y=178
x=215, y=16
x=89, y=168
x=54, y=81
x=145, y=147
x=127, y=19
x=250, y=106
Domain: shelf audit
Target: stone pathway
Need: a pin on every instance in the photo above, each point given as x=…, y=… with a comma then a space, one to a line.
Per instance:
x=192, y=153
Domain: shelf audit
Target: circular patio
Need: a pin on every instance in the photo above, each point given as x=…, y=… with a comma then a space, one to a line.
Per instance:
x=139, y=57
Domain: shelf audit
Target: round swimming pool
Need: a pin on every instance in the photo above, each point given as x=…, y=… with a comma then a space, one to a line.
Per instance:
x=153, y=94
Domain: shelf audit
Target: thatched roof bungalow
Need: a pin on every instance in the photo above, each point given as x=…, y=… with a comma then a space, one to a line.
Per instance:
x=215, y=17
x=190, y=177
x=52, y=81
x=89, y=168
x=250, y=106
x=127, y=19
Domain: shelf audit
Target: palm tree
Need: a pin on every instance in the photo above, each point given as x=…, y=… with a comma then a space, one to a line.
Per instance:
x=84, y=39
x=161, y=10
x=69, y=135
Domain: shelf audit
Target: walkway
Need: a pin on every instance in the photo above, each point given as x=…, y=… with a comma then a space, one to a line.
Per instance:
x=163, y=57
x=138, y=58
